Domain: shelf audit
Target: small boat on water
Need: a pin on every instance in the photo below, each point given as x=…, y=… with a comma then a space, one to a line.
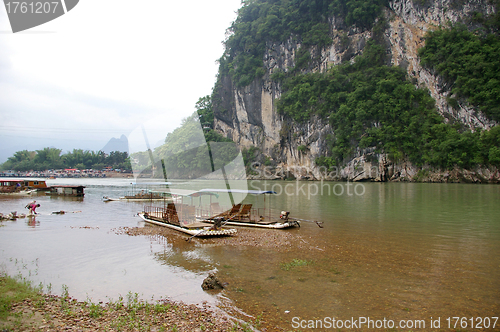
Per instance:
x=71, y=191
x=143, y=196
x=15, y=188
x=25, y=192
x=140, y=195
x=137, y=198
x=109, y=199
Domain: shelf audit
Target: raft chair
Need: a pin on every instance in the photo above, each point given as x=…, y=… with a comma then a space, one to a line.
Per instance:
x=189, y=213
x=215, y=208
x=244, y=213
x=229, y=214
x=172, y=216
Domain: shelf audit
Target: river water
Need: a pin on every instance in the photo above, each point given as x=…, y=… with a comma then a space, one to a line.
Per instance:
x=400, y=252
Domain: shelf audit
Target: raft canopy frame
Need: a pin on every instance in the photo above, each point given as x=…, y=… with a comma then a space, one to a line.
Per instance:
x=214, y=209
x=243, y=213
x=180, y=216
x=208, y=213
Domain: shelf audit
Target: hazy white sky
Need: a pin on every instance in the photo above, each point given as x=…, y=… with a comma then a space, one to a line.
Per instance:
x=104, y=68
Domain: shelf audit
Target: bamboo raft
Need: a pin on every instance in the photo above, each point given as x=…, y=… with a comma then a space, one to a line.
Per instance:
x=168, y=217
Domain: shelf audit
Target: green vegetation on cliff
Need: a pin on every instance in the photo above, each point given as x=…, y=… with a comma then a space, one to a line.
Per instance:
x=306, y=21
x=470, y=63
x=369, y=104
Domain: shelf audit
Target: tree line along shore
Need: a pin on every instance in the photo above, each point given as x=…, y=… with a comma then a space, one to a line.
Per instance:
x=69, y=173
x=52, y=159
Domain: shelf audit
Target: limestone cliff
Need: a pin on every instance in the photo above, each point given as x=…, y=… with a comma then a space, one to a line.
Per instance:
x=248, y=115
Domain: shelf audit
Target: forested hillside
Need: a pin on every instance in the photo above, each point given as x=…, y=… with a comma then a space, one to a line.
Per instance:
x=370, y=104
x=307, y=22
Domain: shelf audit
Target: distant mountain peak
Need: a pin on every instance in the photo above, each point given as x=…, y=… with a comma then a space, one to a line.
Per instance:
x=116, y=144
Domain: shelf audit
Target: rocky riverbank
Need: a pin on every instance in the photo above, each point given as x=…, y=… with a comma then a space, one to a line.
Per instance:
x=62, y=313
x=376, y=168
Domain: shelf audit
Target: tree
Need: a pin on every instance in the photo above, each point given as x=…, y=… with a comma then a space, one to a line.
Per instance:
x=20, y=161
x=48, y=158
x=204, y=108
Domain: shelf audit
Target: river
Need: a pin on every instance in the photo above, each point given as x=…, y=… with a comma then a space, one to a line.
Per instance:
x=406, y=253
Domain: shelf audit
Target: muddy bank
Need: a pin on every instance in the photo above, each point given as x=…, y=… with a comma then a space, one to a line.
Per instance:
x=279, y=240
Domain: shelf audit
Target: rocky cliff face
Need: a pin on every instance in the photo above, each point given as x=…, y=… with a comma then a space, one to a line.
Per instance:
x=408, y=24
x=248, y=115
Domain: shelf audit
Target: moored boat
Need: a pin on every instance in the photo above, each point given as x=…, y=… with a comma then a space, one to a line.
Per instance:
x=25, y=192
x=15, y=188
x=138, y=195
x=248, y=216
x=72, y=191
x=142, y=196
x=182, y=217
x=137, y=198
x=195, y=229
x=269, y=223
x=39, y=185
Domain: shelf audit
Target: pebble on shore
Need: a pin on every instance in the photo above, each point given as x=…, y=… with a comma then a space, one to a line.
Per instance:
x=56, y=313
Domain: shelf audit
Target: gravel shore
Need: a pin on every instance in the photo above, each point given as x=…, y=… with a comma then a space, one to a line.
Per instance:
x=56, y=313
x=279, y=240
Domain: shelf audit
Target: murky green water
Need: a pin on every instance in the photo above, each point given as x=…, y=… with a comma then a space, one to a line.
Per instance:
x=387, y=250
x=394, y=250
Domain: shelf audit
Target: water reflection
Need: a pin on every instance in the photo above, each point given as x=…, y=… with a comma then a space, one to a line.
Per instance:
x=32, y=222
x=176, y=252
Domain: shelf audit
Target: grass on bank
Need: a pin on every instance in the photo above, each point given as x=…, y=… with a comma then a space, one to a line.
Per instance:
x=25, y=307
x=14, y=290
